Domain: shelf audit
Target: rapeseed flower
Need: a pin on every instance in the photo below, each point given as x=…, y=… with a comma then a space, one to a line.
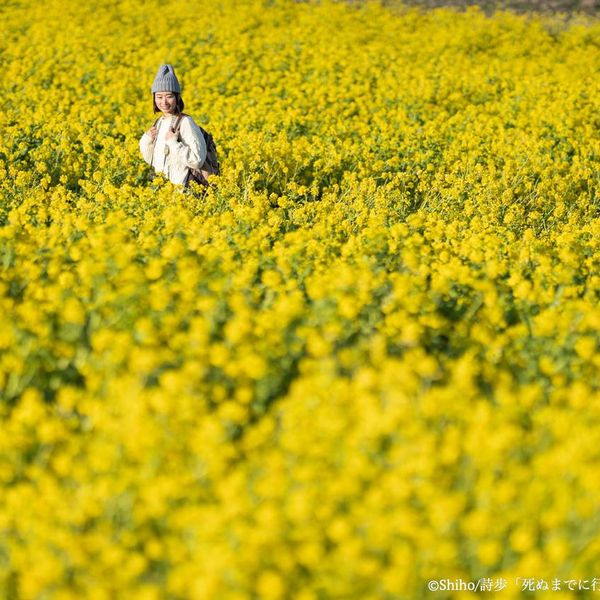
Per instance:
x=367, y=358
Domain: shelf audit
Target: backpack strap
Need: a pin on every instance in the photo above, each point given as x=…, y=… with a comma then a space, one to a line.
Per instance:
x=177, y=125
x=175, y=129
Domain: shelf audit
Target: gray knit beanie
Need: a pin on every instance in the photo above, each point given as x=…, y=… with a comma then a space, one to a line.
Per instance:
x=165, y=80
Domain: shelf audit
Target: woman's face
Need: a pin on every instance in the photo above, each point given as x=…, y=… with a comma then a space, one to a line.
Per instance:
x=166, y=101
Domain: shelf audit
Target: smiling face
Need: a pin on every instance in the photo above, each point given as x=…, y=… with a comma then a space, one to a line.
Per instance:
x=166, y=102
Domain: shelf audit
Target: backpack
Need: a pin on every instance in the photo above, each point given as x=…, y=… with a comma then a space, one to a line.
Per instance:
x=211, y=163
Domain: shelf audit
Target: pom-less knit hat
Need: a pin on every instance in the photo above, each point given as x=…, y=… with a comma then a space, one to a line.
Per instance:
x=166, y=81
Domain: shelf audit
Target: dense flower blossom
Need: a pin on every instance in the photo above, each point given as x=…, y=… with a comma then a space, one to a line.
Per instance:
x=367, y=358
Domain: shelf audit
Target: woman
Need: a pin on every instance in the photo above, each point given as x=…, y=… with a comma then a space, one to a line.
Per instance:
x=169, y=151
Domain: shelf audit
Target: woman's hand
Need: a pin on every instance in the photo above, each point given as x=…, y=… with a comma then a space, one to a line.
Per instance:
x=152, y=132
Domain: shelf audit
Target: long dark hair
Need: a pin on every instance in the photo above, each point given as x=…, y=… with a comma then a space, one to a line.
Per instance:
x=179, y=104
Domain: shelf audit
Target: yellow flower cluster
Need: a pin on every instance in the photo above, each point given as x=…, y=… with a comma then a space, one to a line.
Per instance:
x=368, y=358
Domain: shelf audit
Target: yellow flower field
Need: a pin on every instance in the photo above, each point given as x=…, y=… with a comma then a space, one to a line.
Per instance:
x=367, y=359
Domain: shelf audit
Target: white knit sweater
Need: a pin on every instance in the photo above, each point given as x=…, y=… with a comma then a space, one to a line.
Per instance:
x=175, y=156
